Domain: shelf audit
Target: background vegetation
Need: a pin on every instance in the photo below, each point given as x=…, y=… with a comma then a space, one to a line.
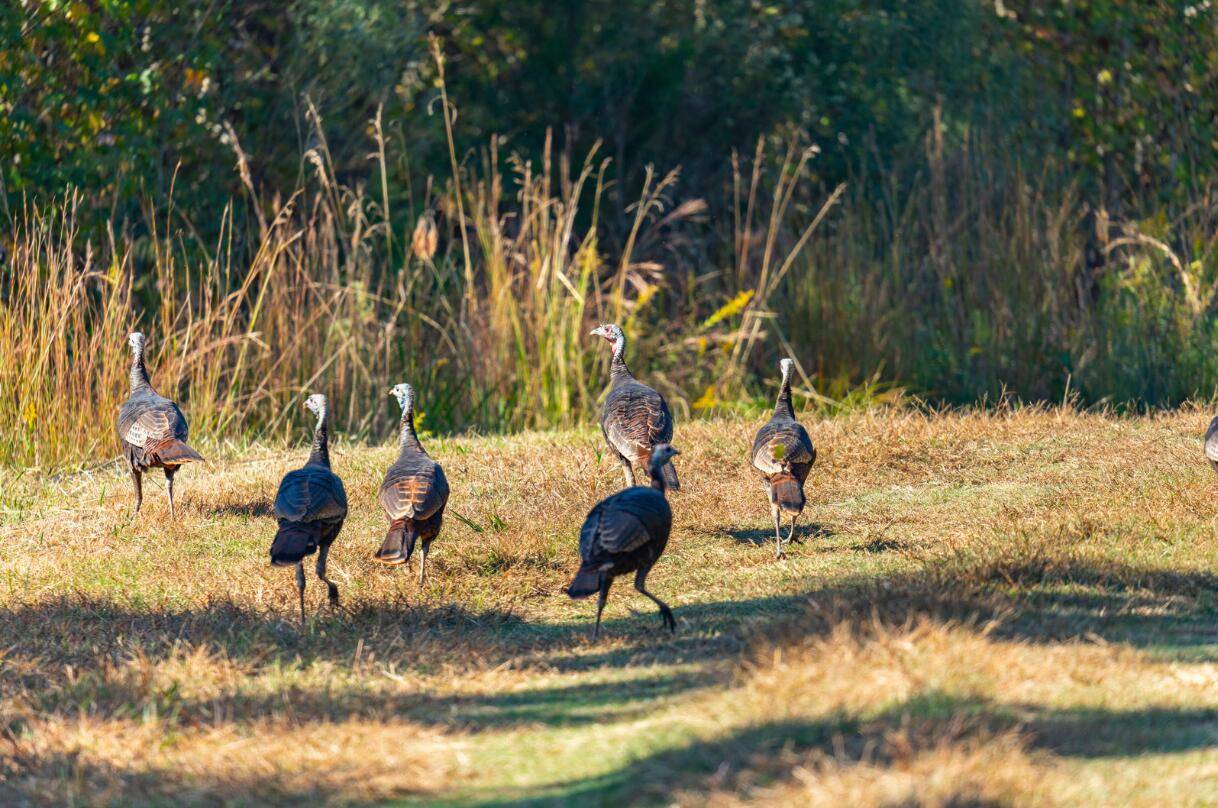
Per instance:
x=957, y=198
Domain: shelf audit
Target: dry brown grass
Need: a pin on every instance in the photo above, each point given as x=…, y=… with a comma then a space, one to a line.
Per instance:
x=1010, y=608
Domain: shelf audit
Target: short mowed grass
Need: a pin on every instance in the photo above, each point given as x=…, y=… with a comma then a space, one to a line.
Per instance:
x=997, y=608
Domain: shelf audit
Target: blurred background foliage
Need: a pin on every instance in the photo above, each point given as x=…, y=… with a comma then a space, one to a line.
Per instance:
x=1028, y=204
x=119, y=95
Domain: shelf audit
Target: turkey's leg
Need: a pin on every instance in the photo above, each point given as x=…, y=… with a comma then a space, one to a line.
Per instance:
x=169, y=484
x=628, y=470
x=777, y=530
x=322, y=555
x=601, y=597
x=640, y=580
x=137, y=479
x=300, y=586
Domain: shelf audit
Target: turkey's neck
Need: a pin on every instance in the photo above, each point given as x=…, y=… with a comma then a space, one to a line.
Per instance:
x=320, y=455
x=139, y=372
x=408, y=439
x=782, y=407
x=618, y=372
x=657, y=476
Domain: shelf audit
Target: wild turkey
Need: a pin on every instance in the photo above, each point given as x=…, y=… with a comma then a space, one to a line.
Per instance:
x=413, y=494
x=310, y=506
x=635, y=418
x=1211, y=443
x=783, y=453
x=626, y=532
x=152, y=428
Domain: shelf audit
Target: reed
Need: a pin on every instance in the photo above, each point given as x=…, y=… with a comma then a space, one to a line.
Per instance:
x=313, y=295
x=970, y=278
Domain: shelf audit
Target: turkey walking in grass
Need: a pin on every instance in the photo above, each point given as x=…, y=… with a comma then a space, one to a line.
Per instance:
x=152, y=429
x=310, y=506
x=624, y=533
x=635, y=418
x=413, y=494
x=783, y=453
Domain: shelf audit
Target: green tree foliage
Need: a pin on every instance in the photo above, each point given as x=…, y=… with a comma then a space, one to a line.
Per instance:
x=119, y=97
x=116, y=95
x=1030, y=181
x=1130, y=90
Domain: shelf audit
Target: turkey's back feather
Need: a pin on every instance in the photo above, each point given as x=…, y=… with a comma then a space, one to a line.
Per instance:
x=624, y=523
x=147, y=418
x=634, y=419
x=414, y=488
x=311, y=494
x=782, y=444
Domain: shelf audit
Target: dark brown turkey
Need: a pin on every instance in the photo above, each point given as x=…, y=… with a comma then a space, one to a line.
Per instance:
x=152, y=428
x=626, y=532
x=783, y=453
x=413, y=494
x=310, y=506
x=635, y=418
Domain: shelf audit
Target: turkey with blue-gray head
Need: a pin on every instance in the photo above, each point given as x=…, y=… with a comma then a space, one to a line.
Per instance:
x=413, y=494
x=311, y=506
x=152, y=429
x=783, y=453
x=635, y=418
x=625, y=533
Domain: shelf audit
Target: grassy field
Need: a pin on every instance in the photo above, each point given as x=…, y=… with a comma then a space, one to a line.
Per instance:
x=1011, y=608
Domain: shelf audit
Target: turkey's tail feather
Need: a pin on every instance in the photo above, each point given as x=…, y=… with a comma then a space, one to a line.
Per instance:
x=670, y=477
x=172, y=452
x=788, y=493
x=399, y=543
x=294, y=541
x=587, y=582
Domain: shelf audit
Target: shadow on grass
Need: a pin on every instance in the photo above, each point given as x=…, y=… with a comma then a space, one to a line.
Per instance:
x=85, y=631
x=73, y=779
x=768, y=753
x=1036, y=599
x=1050, y=600
x=880, y=546
x=100, y=640
x=255, y=509
x=765, y=536
x=1039, y=600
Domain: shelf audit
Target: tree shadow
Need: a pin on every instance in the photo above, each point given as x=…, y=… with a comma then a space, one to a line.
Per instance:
x=768, y=752
x=99, y=640
x=1040, y=599
x=70, y=779
x=563, y=706
x=1033, y=600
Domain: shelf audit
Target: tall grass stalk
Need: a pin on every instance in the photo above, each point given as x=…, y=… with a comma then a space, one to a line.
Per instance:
x=972, y=277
